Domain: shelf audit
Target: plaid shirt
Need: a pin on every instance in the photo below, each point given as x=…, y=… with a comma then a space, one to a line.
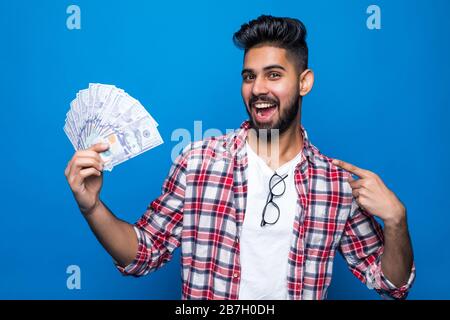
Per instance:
x=202, y=207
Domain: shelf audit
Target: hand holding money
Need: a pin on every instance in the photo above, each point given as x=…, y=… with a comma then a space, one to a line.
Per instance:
x=104, y=113
x=106, y=127
x=84, y=175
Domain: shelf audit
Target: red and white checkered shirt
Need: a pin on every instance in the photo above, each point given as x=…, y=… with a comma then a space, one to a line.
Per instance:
x=202, y=208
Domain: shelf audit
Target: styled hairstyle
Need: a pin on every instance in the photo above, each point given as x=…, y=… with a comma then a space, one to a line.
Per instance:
x=286, y=33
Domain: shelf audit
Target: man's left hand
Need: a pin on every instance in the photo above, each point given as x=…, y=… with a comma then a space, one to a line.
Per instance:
x=372, y=195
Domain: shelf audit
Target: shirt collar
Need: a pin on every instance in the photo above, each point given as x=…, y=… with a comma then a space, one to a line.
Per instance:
x=236, y=142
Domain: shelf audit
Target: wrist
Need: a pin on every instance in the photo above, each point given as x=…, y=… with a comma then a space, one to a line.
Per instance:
x=89, y=211
x=397, y=219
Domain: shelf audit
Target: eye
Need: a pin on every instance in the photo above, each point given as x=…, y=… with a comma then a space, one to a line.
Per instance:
x=274, y=75
x=248, y=77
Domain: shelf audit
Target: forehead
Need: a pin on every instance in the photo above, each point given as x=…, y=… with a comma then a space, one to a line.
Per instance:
x=259, y=57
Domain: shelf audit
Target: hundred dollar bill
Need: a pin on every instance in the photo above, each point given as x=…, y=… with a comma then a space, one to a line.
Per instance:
x=105, y=113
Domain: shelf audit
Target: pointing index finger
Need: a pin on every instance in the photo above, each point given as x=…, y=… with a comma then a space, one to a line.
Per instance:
x=350, y=168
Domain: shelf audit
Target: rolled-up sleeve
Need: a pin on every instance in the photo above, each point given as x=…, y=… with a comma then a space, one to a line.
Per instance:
x=158, y=230
x=362, y=246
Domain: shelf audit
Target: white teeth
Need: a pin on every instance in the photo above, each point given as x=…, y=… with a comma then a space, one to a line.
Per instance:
x=263, y=105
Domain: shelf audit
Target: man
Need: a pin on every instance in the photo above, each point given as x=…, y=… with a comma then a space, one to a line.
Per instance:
x=254, y=224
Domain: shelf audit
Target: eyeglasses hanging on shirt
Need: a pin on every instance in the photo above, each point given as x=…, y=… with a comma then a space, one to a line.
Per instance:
x=277, y=187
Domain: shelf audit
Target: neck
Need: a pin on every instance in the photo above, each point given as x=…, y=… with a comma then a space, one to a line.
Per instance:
x=289, y=143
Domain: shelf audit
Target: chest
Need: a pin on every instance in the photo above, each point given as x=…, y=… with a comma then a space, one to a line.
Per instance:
x=220, y=193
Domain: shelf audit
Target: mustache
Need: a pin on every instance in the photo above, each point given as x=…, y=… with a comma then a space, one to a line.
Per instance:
x=262, y=98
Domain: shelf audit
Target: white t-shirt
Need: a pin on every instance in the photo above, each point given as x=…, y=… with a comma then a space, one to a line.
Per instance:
x=265, y=250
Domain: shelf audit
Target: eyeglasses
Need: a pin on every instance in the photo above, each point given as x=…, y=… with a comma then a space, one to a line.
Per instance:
x=276, y=190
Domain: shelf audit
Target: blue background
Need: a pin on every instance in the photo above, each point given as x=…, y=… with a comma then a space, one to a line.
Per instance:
x=379, y=101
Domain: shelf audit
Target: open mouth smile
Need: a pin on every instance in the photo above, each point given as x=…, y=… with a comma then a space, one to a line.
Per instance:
x=264, y=110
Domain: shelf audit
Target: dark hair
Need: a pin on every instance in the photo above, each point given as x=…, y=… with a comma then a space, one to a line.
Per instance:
x=286, y=33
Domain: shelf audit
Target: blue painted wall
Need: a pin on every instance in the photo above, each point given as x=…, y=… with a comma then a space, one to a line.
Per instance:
x=380, y=101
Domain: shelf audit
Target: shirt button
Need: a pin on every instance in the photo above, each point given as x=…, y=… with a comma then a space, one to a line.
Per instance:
x=236, y=275
x=237, y=239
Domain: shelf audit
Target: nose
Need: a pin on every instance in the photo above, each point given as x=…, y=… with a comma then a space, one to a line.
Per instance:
x=259, y=87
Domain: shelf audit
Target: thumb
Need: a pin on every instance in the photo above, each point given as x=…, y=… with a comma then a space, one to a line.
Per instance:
x=99, y=147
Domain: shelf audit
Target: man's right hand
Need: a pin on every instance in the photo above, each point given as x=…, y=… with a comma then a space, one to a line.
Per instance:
x=84, y=175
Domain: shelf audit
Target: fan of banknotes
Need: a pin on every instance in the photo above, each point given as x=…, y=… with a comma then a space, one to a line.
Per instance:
x=105, y=113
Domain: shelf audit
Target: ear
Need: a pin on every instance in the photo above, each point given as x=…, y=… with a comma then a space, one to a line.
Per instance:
x=306, y=82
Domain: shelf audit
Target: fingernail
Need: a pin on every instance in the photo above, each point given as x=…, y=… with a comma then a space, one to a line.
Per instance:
x=105, y=145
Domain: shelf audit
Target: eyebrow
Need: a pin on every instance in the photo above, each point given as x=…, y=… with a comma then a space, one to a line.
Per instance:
x=272, y=66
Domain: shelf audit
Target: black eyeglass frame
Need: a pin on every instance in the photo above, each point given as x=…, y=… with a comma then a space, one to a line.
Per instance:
x=270, y=198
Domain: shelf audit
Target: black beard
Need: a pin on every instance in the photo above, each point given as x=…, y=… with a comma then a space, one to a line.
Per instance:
x=285, y=121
